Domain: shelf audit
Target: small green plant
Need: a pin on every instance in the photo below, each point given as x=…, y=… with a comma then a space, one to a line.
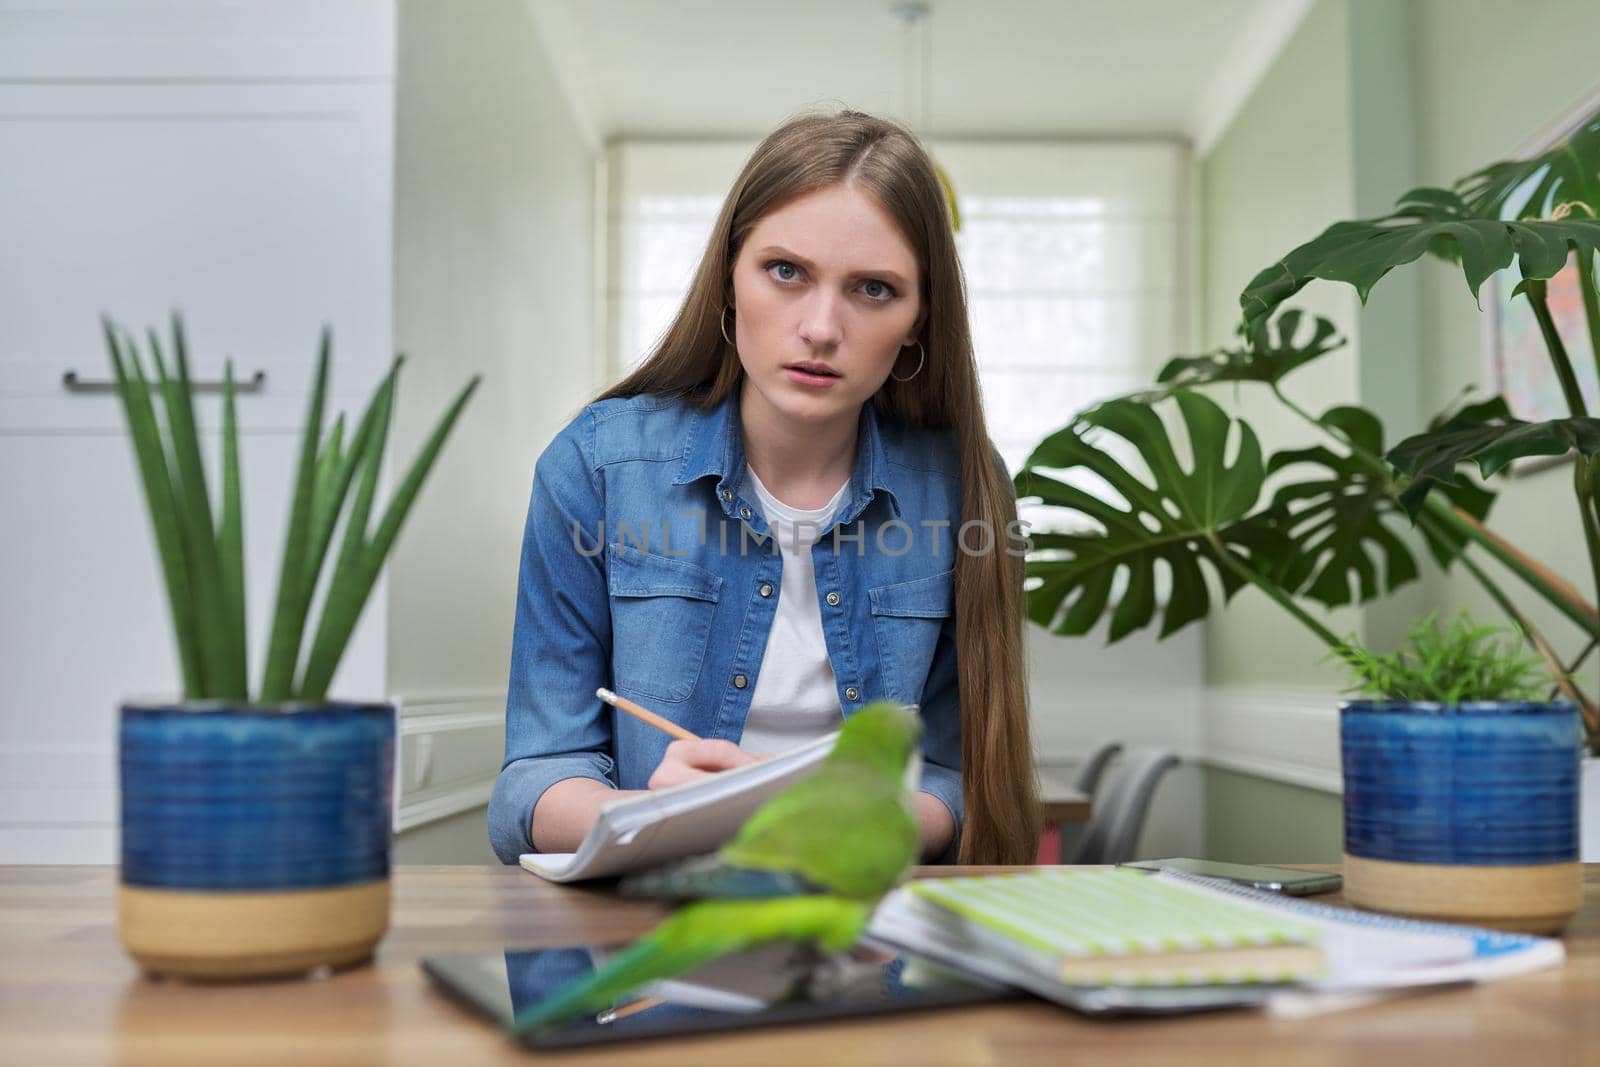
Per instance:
x=202, y=561
x=1447, y=665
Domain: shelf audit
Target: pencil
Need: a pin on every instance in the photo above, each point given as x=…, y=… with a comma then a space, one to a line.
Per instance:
x=645, y=715
x=611, y=1015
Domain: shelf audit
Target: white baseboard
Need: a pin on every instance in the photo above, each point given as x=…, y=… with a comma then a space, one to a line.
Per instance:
x=58, y=803
x=422, y=809
x=451, y=747
x=1284, y=735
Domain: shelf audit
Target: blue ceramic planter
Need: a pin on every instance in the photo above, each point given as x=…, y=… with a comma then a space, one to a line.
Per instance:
x=1467, y=811
x=255, y=839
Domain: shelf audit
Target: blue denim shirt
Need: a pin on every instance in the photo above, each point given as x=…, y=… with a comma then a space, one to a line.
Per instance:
x=648, y=567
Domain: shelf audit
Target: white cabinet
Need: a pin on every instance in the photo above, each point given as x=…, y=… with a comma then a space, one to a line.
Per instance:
x=235, y=162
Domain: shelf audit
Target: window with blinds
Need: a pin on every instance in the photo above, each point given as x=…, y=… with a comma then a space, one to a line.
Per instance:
x=1075, y=257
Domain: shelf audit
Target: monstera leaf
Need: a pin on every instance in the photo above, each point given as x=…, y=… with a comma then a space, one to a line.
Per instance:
x=1537, y=187
x=1182, y=514
x=1345, y=521
x=1425, y=220
x=1489, y=437
x=1266, y=359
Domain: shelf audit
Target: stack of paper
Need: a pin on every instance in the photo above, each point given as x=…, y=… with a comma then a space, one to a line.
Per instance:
x=1109, y=927
x=1120, y=941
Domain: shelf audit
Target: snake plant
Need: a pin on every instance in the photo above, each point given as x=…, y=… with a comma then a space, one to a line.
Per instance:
x=201, y=548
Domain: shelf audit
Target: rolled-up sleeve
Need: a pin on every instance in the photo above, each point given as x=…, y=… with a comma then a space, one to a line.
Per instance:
x=556, y=728
x=941, y=734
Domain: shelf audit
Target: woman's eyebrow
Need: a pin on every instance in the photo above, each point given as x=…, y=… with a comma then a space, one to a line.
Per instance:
x=884, y=273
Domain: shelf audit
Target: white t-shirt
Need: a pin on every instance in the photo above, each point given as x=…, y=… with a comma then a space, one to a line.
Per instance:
x=796, y=698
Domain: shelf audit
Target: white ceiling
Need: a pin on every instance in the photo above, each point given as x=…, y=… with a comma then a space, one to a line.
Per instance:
x=1098, y=68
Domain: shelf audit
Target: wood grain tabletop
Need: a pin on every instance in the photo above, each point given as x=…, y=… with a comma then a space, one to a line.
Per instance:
x=69, y=995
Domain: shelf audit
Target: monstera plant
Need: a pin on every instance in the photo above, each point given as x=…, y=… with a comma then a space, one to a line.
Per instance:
x=1342, y=515
x=1332, y=531
x=1537, y=214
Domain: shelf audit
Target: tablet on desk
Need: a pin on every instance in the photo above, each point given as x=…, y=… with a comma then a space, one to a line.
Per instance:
x=749, y=989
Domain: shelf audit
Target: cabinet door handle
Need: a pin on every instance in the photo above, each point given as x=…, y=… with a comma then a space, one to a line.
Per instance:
x=74, y=384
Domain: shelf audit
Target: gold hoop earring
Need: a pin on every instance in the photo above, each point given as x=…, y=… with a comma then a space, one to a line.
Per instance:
x=922, y=356
x=722, y=324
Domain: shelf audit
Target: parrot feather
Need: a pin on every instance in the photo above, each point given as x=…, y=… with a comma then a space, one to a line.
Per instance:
x=699, y=933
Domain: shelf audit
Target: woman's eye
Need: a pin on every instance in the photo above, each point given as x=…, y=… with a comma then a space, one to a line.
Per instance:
x=784, y=271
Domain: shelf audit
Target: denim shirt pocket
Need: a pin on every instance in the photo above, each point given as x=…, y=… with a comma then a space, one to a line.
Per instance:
x=661, y=614
x=907, y=618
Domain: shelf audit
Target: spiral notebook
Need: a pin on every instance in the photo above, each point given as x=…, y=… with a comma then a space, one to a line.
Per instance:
x=1373, y=957
x=1030, y=930
x=1096, y=927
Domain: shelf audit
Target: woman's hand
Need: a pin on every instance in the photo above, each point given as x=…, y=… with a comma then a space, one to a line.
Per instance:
x=689, y=761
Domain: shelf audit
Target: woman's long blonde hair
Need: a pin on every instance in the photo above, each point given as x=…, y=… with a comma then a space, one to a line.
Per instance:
x=884, y=160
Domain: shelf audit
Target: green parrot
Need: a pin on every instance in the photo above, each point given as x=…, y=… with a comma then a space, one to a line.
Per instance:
x=808, y=867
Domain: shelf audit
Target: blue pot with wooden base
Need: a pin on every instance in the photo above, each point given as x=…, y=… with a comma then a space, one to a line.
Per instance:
x=255, y=840
x=1466, y=812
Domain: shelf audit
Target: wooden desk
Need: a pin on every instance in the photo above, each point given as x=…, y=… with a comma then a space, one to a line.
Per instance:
x=1063, y=803
x=68, y=995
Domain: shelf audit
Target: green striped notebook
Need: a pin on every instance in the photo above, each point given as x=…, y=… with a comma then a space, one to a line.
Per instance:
x=1117, y=927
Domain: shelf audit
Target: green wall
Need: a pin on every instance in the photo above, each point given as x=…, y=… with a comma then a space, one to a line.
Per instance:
x=1278, y=176
x=460, y=838
x=1370, y=98
x=1254, y=820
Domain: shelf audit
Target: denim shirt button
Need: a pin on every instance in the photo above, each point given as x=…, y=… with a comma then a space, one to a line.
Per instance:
x=766, y=588
x=727, y=494
x=740, y=681
x=833, y=602
x=852, y=693
x=744, y=513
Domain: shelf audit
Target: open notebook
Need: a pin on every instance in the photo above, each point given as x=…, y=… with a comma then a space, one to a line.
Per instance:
x=637, y=833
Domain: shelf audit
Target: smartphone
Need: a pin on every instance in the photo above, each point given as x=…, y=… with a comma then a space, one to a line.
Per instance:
x=1277, y=879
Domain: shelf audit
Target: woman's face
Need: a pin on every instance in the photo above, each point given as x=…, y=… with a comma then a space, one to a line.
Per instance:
x=826, y=280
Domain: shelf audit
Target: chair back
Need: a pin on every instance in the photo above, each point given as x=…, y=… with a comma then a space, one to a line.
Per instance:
x=1119, y=811
x=1101, y=753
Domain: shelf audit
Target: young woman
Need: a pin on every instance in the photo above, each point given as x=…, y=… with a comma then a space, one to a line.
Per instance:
x=790, y=509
